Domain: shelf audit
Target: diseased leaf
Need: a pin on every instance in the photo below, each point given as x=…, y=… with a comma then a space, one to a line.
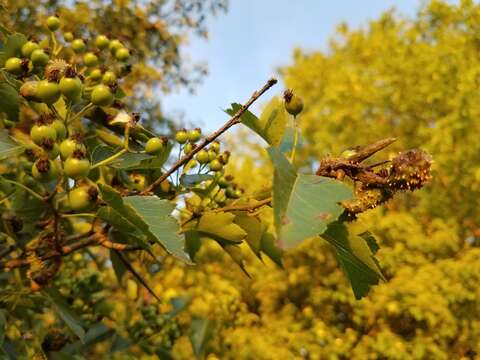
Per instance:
x=303, y=205
x=160, y=224
x=355, y=257
x=220, y=227
x=201, y=331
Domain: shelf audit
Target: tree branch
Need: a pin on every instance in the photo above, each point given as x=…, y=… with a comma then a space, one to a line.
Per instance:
x=235, y=119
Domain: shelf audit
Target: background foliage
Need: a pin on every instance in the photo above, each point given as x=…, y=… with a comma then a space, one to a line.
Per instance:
x=416, y=79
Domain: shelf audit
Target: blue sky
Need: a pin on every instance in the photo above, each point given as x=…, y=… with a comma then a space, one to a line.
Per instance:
x=255, y=37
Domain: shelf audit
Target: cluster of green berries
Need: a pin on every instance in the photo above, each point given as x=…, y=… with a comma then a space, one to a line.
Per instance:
x=154, y=329
x=83, y=291
x=54, y=152
x=47, y=78
x=98, y=86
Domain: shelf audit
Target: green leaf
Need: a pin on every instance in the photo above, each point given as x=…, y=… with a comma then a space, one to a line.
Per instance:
x=9, y=101
x=201, y=331
x=371, y=241
x=72, y=320
x=254, y=229
x=3, y=29
x=97, y=333
x=8, y=147
x=179, y=304
x=125, y=221
x=192, y=243
x=303, y=205
x=270, y=249
x=271, y=124
x=130, y=161
x=100, y=153
x=355, y=256
x=3, y=324
x=194, y=179
x=220, y=227
x=118, y=266
x=286, y=145
x=13, y=47
x=163, y=228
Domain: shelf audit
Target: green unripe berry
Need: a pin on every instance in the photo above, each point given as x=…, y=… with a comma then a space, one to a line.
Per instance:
x=212, y=155
x=215, y=146
x=293, y=103
x=60, y=129
x=114, y=46
x=53, y=152
x=78, y=46
x=90, y=59
x=95, y=74
x=28, y=48
x=9, y=123
x=122, y=54
x=102, y=96
x=82, y=198
x=39, y=58
x=109, y=78
x=40, y=133
x=181, y=137
x=76, y=168
x=102, y=42
x=220, y=197
x=53, y=23
x=223, y=182
x=188, y=148
x=194, y=135
x=202, y=156
x=139, y=181
x=69, y=146
x=154, y=146
x=215, y=165
x=14, y=66
x=44, y=170
x=232, y=193
x=68, y=37
x=71, y=88
x=29, y=90
x=48, y=92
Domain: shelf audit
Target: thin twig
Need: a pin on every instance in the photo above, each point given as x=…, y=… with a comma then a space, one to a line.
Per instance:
x=96, y=239
x=367, y=151
x=235, y=119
